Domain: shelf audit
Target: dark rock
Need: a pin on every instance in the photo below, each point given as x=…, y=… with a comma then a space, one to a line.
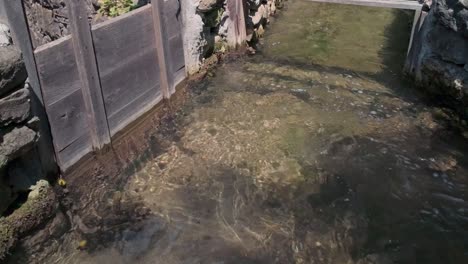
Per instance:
x=25, y=172
x=440, y=64
x=48, y=19
x=453, y=14
x=12, y=70
x=6, y=196
x=15, y=108
x=34, y=123
x=15, y=144
x=452, y=47
x=444, y=79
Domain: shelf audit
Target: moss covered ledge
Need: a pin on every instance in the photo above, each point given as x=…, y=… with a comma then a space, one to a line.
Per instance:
x=42, y=204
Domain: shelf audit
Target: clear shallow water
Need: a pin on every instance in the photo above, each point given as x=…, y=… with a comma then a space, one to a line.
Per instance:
x=313, y=151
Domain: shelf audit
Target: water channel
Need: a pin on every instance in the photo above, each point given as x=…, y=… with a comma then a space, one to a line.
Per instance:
x=315, y=150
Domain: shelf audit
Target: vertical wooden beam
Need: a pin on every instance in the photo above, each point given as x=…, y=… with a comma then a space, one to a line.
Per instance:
x=417, y=22
x=17, y=21
x=89, y=75
x=237, y=31
x=160, y=47
x=242, y=37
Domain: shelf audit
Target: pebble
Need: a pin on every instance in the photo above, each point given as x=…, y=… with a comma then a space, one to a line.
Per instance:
x=373, y=112
x=435, y=175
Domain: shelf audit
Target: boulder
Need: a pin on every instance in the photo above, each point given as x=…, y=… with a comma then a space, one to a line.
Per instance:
x=15, y=108
x=464, y=3
x=452, y=14
x=452, y=47
x=12, y=70
x=445, y=80
x=15, y=144
x=440, y=66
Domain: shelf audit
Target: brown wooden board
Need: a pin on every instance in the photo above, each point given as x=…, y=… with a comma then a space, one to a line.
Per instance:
x=128, y=64
x=57, y=69
x=63, y=99
x=75, y=151
x=68, y=119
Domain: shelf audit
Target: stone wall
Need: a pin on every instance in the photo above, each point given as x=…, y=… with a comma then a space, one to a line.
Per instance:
x=21, y=171
x=441, y=65
x=48, y=19
x=207, y=23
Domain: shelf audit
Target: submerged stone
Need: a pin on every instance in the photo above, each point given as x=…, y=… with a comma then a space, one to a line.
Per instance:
x=300, y=93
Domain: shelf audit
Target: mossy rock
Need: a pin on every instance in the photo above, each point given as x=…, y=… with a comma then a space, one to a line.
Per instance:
x=32, y=214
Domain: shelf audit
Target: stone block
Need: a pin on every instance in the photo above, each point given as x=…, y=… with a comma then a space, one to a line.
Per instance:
x=15, y=144
x=12, y=70
x=15, y=108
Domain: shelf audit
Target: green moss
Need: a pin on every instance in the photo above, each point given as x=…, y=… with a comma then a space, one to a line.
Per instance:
x=115, y=8
x=220, y=47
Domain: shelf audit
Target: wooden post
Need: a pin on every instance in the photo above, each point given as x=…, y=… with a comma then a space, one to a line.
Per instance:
x=242, y=36
x=89, y=75
x=417, y=22
x=237, y=31
x=160, y=47
x=19, y=26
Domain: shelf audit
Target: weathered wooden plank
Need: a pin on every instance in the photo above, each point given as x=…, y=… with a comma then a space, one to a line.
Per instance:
x=160, y=46
x=398, y=4
x=179, y=76
x=17, y=21
x=74, y=152
x=134, y=76
x=127, y=62
x=237, y=33
x=124, y=36
x=415, y=28
x=57, y=70
x=176, y=54
x=174, y=46
x=134, y=109
x=87, y=68
x=68, y=120
x=172, y=18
